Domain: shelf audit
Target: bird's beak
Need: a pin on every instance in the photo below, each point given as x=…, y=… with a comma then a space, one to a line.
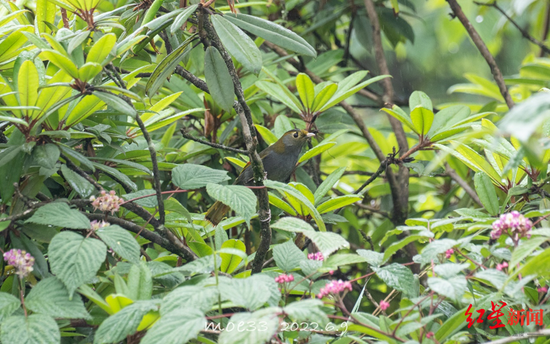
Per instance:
x=308, y=135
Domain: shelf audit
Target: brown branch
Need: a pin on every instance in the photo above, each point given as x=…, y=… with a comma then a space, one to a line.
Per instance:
x=467, y=188
x=251, y=142
x=211, y=144
x=524, y=32
x=545, y=27
x=81, y=172
x=497, y=75
x=519, y=336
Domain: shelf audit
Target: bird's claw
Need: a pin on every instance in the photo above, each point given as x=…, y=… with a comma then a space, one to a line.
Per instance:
x=268, y=216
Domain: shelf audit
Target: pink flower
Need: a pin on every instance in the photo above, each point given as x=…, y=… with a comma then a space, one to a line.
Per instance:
x=107, y=201
x=315, y=256
x=334, y=288
x=449, y=253
x=284, y=278
x=384, y=305
x=542, y=290
x=331, y=272
x=429, y=335
x=20, y=260
x=98, y=224
x=514, y=224
x=502, y=266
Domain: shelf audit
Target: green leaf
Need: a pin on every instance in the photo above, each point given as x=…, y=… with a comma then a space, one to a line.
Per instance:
x=191, y=176
x=60, y=215
x=345, y=92
x=117, y=174
x=74, y=259
x=526, y=248
x=282, y=187
x=327, y=184
x=422, y=119
x=324, y=96
x=448, y=117
x=166, y=67
x=46, y=157
x=292, y=224
x=218, y=79
x=61, y=61
x=182, y=18
x=27, y=86
x=288, y=256
x=452, y=288
x=238, y=44
x=140, y=282
x=8, y=305
x=240, y=198
x=280, y=93
x=231, y=261
x=250, y=293
x=79, y=184
x=435, y=248
x=120, y=241
x=148, y=202
x=31, y=329
x=306, y=90
x=282, y=88
x=190, y=297
x=116, y=103
x=50, y=297
x=101, y=49
x=266, y=134
x=257, y=327
x=118, y=326
x=398, y=277
x=372, y=257
x=272, y=32
x=176, y=327
x=88, y=71
x=396, y=246
x=340, y=259
x=419, y=98
x=327, y=242
x=337, y=203
x=486, y=192
x=306, y=310
x=320, y=148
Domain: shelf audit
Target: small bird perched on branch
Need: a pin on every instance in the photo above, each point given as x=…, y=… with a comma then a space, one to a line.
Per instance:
x=279, y=161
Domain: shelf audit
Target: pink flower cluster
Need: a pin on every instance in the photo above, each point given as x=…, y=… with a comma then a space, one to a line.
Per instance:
x=99, y=224
x=284, y=278
x=334, y=288
x=449, y=253
x=20, y=260
x=514, y=224
x=542, y=290
x=502, y=266
x=384, y=305
x=107, y=201
x=315, y=256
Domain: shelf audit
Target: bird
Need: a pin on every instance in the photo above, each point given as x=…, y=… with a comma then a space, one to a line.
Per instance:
x=279, y=162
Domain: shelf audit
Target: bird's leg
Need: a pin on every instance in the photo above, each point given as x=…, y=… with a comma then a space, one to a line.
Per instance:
x=268, y=216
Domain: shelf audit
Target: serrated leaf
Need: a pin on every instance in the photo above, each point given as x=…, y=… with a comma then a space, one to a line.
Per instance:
x=486, y=192
x=191, y=176
x=257, y=327
x=398, y=277
x=31, y=329
x=8, y=305
x=150, y=201
x=327, y=242
x=50, y=297
x=218, y=79
x=140, y=282
x=272, y=32
x=176, y=327
x=240, y=198
x=292, y=224
x=306, y=310
x=123, y=323
x=120, y=241
x=74, y=259
x=288, y=256
x=452, y=288
x=190, y=297
x=60, y=215
x=250, y=293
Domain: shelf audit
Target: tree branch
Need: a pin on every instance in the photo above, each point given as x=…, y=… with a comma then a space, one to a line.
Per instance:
x=467, y=188
x=497, y=75
x=519, y=336
x=524, y=32
x=251, y=141
x=211, y=144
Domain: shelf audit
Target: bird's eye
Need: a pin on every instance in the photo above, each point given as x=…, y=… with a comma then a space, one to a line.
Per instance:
x=295, y=135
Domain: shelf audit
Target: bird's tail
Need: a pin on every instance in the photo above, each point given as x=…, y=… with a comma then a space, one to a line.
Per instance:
x=216, y=212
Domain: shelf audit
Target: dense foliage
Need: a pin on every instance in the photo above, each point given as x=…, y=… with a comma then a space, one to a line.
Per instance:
x=122, y=122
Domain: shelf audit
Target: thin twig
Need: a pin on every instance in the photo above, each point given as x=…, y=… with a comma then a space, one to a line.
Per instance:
x=497, y=75
x=382, y=168
x=522, y=30
x=519, y=336
x=467, y=188
x=211, y=144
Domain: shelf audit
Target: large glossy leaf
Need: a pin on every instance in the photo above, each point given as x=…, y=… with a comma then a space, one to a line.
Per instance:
x=422, y=119
x=27, y=87
x=272, y=32
x=182, y=17
x=305, y=90
x=218, y=79
x=61, y=61
x=337, y=203
x=238, y=44
x=486, y=192
x=346, y=91
x=231, y=261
